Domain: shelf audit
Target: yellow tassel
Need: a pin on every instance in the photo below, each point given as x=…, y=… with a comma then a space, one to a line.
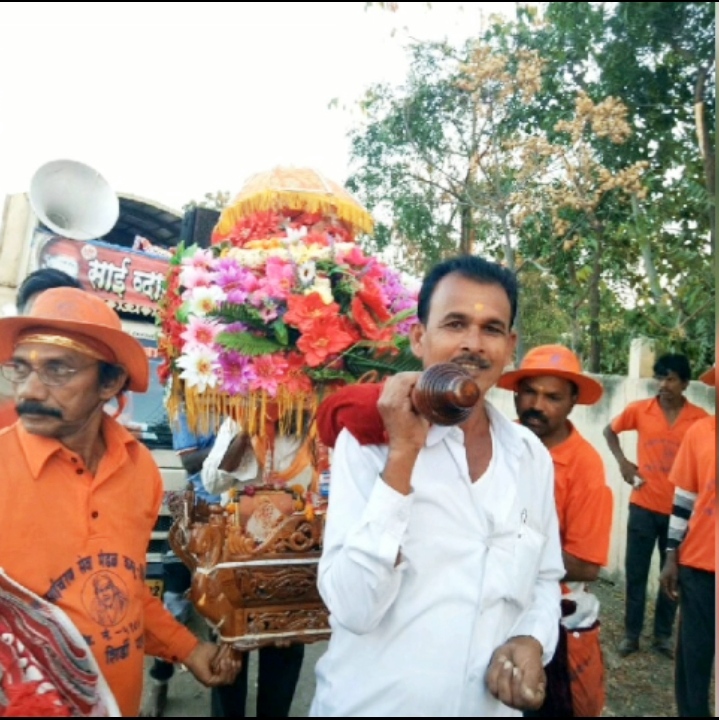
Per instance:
x=206, y=411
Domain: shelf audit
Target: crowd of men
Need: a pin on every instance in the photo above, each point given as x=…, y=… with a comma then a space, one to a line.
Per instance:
x=456, y=559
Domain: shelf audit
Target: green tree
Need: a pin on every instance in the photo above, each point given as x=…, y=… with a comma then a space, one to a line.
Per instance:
x=659, y=60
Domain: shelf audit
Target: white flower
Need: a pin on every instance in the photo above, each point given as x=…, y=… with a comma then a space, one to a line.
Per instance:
x=294, y=235
x=200, y=367
x=203, y=300
x=323, y=287
x=306, y=273
x=248, y=258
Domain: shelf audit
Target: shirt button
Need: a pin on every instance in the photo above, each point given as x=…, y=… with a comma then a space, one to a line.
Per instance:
x=79, y=471
x=95, y=514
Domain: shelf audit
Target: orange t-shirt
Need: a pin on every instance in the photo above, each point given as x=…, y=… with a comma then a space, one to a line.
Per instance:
x=583, y=498
x=657, y=445
x=80, y=542
x=694, y=470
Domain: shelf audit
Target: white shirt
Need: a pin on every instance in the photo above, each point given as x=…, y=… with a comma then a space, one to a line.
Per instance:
x=481, y=562
x=218, y=481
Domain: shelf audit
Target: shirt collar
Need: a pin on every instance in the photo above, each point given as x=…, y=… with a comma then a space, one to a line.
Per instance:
x=38, y=449
x=563, y=453
x=505, y=431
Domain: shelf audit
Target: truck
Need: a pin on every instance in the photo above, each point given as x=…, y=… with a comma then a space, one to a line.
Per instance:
x=129, y=280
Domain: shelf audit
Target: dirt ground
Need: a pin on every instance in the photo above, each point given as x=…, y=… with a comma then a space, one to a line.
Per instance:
x=641, y=685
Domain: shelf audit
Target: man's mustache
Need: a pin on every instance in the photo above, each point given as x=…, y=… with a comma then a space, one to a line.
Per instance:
x=33, y=408
x=532, y=414
x=478, y=360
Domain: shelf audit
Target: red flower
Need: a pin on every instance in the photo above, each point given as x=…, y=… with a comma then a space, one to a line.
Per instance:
x=371, y=295
x=296, y=380
x=316, y=237
x=257, y=226
x=303, y=311
x=367, y=324
x=322, y=339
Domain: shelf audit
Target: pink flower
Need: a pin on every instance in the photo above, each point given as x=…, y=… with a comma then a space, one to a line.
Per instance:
x=237, y=373
x=192, y=277
x=279, y=278
x=354, y=257
x=270, y=371
x=235, y=280
x=200, y=331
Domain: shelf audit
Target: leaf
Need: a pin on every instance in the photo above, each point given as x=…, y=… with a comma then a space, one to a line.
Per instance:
x=281, y=332
x=247, y=343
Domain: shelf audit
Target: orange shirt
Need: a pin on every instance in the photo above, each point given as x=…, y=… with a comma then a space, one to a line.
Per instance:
x=657, y=445
x=694, y=470
x=80, y=542
x=583, y=498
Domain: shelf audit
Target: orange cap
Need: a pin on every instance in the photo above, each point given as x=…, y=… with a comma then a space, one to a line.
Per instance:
x=80, y=315
x=557, y=361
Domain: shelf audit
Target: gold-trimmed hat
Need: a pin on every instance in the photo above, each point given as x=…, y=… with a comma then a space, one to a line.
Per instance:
x=81, y=321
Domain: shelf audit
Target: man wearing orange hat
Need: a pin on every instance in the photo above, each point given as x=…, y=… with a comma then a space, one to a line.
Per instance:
x=689, y=572
x=547, y=385
x=81, y=494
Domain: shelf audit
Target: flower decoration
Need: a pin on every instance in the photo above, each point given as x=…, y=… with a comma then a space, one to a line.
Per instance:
x=283, y=307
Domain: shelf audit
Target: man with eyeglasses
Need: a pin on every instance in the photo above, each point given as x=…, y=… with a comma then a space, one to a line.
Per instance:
x=36, y=282
x=80, y=494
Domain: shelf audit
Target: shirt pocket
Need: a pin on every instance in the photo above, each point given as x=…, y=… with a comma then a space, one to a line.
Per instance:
x=513, y=559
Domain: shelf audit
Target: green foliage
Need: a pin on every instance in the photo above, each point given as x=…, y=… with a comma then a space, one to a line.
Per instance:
x=217, y=200
x=430, y=160
x=247, y=343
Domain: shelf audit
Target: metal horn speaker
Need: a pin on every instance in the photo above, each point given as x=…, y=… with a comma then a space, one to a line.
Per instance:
x=74, y=200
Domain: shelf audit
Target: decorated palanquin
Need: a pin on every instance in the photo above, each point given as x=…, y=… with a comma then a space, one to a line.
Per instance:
x=280, y=310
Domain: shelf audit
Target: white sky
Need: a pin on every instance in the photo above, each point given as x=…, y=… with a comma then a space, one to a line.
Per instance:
x=172, y=100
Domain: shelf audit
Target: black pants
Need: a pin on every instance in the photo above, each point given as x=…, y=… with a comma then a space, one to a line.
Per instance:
x=177, y=579
x=278, y=674
x=645, y=529
x=695, y=642
x=558, y=698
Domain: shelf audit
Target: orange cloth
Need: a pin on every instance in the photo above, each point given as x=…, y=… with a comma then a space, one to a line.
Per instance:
x=583, y=499
x=695, y=470
x=584, y=507
x=80, y=541
x=7, y=414
x=586, y=672
x=657, y=446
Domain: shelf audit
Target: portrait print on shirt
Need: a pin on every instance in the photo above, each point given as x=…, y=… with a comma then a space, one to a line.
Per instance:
x=104, y=582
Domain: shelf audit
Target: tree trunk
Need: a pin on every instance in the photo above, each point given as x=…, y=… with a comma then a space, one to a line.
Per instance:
x=466, y=241
x=706, y=149
x=595, y=308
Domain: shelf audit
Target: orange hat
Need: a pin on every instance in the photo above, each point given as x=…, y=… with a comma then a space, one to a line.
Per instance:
x=79, y=320
x=709, y=377
x=557, y=361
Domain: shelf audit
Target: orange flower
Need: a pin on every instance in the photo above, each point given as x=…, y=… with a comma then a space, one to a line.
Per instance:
x=303, y=311
x=367, y=324
x=324, y=338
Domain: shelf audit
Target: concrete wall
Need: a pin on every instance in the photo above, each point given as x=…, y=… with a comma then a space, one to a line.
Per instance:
x=591, y=420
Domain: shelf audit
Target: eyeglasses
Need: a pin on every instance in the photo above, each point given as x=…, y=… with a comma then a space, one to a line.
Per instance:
x=52, y=374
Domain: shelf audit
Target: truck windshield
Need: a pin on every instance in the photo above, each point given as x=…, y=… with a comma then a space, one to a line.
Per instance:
x=146, y=413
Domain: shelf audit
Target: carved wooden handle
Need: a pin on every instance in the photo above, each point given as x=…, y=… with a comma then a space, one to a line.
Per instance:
x=445, y=394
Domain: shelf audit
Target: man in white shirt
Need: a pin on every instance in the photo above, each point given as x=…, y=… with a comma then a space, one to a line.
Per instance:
x=441, y=560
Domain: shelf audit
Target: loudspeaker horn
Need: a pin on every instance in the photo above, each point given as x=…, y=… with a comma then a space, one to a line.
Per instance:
x=74, y=200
